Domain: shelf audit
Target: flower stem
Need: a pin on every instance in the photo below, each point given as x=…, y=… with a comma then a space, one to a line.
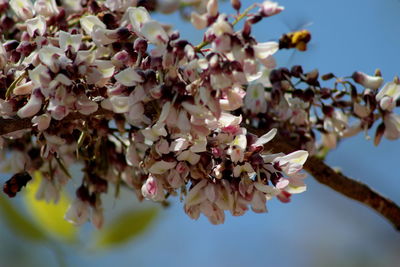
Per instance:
x=14, y=84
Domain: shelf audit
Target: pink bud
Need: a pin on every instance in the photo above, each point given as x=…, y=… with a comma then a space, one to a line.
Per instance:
x=152, y=189
x=212, y=8
x=371, y=82
x=236, y=4
x=270, y=8
x=33, y=106
x=284, y=197
x=198, y=21
x=42, y=122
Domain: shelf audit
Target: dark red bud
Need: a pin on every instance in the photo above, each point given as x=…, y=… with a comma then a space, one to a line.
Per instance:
x=328, y=110
x=296, y=71
x=379, y=133
x=16, y=183
x=140, y=45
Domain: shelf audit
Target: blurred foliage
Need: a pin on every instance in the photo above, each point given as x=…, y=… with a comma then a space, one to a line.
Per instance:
x=39, y=221
x=49, y=216
x=125, y=228
x=18, y=223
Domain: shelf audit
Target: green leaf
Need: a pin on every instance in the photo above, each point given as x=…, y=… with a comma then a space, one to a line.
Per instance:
x=18, y=223
x=49, y=216
x=125, y=228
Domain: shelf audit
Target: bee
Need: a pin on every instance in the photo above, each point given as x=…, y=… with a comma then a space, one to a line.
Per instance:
x=297, y=39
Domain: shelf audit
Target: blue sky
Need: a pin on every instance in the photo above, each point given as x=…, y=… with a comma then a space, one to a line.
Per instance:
x=319, y=227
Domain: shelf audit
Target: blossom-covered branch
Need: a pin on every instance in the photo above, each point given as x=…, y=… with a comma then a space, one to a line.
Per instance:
x=102, y=85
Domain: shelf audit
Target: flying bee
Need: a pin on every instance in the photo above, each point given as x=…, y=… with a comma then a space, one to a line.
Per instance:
x=298, y=40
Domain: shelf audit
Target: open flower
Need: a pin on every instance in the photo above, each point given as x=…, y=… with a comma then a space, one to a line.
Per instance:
x=293, y=162
x=388, y=95
x=36, y=25
x=255, y=99
x=22, y=8
x=46, y=8
x=154, y=32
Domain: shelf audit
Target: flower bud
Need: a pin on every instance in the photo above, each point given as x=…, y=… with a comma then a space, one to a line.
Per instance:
x=33, y=106
x=379, y=133
x=236, y=4
x=7, y=23
x=123, y=34
x=152, y=189
x=26, y=48
x=372, y=82
x=110, y=21
x=42, y=122
x=270, y=8
x=10, y=45
x=212, y=8
x=198, y=21
x=246, y=29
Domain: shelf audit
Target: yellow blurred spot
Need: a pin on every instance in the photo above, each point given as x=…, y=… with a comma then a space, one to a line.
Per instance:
x=49, y=216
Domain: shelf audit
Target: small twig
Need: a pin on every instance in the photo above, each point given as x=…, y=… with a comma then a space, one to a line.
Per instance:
x=10, y=89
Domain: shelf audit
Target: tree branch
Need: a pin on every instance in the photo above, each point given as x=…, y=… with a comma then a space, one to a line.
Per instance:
x=12, y=125
x=316, y=167
x=340, y=183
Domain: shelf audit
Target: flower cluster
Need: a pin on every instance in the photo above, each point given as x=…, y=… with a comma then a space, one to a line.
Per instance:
x=103, y=85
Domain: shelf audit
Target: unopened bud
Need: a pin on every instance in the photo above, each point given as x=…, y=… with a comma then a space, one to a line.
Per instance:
x=174, y=35
x=372, y=82
x=328, y=110
x=327, y=76
x=198, y=21
x=11, y=45
x=255, y=19
x=246, y=29
x=140, y=45
x=379, y=133
x=26, y=48
x=212, y=8
x=236, y=4
x=296, y=71
x=312, y=76
x=94, y=7
x=270, y=8
x=7, y=23
x=82, y=193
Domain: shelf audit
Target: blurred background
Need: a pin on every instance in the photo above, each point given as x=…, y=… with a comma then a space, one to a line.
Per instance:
x=318, y=228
